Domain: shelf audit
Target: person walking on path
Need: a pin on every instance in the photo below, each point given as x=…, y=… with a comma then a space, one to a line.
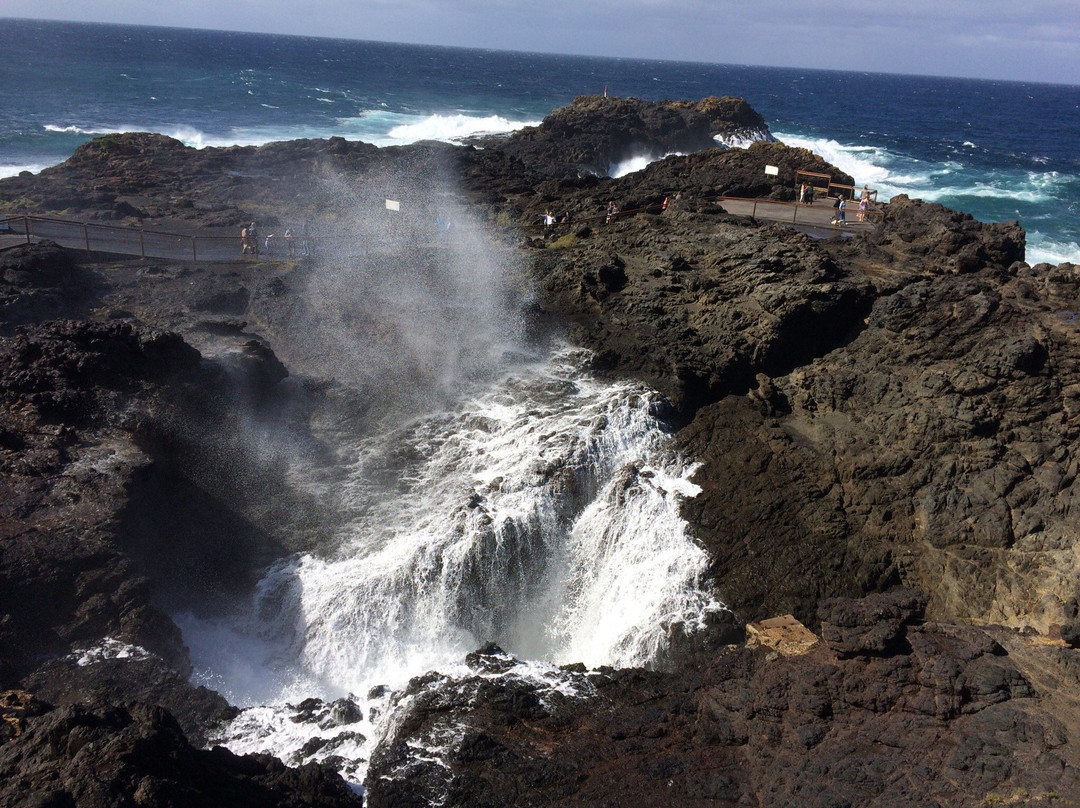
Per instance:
x=249, y=240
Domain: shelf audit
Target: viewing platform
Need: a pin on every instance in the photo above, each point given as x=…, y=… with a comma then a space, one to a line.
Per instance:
x=816, y=219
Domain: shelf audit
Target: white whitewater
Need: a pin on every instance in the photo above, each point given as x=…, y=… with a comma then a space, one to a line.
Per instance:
x=541, y=514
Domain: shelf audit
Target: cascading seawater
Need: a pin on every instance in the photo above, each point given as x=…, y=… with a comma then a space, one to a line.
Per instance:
x=541, y=515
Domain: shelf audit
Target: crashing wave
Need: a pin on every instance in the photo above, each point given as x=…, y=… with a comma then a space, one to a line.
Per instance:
x=742, y=140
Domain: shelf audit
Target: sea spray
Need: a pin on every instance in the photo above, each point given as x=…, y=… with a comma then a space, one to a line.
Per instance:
x=541, y=513
x=409, y=296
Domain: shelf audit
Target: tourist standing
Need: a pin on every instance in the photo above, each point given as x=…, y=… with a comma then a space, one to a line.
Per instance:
x=249, y=240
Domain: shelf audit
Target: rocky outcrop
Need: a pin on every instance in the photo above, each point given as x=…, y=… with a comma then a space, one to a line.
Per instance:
x=698, y=306
x=915, y=714
x=69, y=390
x=40, y=282
x=933, y=449
x=927, y=238
x=92, y=755
x=595, y=133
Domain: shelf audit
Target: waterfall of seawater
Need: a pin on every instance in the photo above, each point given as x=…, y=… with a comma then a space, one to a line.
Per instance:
x=542, y=514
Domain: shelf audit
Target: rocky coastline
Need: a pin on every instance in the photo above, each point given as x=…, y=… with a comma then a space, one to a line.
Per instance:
x=886, y=424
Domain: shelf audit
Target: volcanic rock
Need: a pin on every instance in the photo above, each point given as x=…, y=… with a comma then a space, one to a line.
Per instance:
x=948, y=717
x=594, y=133
x=886, y=427
x=92, y=755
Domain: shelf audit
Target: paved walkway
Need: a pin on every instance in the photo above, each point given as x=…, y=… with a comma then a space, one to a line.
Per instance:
x=102, y=238
x=816, y=218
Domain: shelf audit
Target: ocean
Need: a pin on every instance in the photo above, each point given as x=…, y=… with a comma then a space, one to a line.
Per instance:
x=998, y=150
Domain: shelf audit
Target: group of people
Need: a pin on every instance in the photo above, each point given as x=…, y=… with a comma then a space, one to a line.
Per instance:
x=841, y=206
x=249, y=242
x=550, y=220
x=806, y=197
x=612, y=211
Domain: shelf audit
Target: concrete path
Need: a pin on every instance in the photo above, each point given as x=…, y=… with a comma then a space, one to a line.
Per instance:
x=816, y=218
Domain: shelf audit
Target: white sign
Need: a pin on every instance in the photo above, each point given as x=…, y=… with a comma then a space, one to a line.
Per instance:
x=392, y=204
x=772, y=170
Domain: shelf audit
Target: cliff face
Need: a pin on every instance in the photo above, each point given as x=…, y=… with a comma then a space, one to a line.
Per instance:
x=890, y=413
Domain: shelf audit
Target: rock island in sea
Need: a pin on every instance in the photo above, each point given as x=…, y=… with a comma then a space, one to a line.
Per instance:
x=885, y=427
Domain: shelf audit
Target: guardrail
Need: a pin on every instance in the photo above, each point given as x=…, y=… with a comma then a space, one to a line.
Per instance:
x=852, y=213
x=105, y=238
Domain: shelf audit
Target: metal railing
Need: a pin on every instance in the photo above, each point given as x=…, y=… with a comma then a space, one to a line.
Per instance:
x=105, y=238
x=852, y=213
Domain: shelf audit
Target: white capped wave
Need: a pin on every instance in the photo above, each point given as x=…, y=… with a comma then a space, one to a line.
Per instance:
x=743, y=141
x=1043, y=250
x=83, y=130
x=865, y=164
x=376, y=126
x=14, y=169
x=893, y=174
x=454, y=128
x=954, y=194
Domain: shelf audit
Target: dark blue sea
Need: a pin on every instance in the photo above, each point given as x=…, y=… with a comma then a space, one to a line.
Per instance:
x=998, y=150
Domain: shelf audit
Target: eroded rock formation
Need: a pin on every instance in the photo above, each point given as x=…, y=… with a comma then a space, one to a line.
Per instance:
x=891, y=417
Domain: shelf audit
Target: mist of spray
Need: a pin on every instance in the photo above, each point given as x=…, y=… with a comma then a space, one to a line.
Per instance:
x=408, y=295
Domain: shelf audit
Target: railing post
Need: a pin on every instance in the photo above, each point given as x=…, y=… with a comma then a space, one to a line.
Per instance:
x=26, y=227
x=194, y=255
x=86, y=236
x=142, y=243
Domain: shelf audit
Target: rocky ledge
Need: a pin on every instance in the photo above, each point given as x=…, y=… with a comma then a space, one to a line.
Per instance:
x=886, y=425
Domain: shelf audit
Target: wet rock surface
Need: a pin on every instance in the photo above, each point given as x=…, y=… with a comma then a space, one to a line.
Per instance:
x=96, y=754
x=886, y=426
x=940, y=715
